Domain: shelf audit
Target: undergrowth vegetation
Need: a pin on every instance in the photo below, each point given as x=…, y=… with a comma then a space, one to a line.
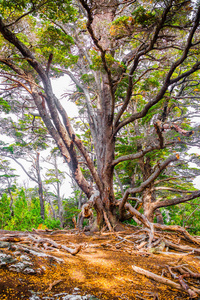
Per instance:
x=23, y=213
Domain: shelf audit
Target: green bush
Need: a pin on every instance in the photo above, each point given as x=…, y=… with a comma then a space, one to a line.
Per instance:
x=52, y=223
x=5, y=213
x=70, y=210
x=26, y=213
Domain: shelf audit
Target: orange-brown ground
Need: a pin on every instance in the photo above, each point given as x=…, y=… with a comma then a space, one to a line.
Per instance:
x=101, y=268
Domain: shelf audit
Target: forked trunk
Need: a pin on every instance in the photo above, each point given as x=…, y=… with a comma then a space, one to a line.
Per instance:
x=103, y=15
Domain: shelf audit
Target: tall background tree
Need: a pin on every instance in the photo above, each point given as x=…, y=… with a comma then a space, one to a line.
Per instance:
x=135, y=66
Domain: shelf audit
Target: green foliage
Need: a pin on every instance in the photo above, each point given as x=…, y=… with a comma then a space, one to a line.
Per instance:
x=52, y=223
x=26, y=215
x=143, y=17
x=131, y=222
x=61, y=10
x=184, y=214
x=4, y=105
x=53, y=40
x=54, y=37
x=121, y=26
x=56, y=10
x=114, y=65
x=14, y=4
x=121, y=20
x=24, y=128
x=8, y=148
x=87, y=78
x=70, y=208
x=5, y=213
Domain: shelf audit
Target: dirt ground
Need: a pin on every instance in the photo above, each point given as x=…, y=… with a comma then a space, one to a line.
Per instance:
x=102, y=268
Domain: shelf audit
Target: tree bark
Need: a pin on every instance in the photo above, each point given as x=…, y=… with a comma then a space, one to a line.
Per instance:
x=40, y=186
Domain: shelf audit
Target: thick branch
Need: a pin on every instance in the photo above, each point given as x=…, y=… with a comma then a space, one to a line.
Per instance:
x=12, y=38
x=180, y=229
x=139, y=189
x=79, y=145
x=138, y=215
x=171, y=178
x=178, y=129
x=19, y=83
x=159, y=188
x=12, y=66
x=194, y=68
x=160, y=136
x=169, y=202
x=119, y=182
x=134, y=156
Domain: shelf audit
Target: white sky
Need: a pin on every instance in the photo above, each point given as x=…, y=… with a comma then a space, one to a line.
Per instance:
x=61, y=86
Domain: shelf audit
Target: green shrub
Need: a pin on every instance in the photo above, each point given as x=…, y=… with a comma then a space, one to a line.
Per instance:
x=5, y=213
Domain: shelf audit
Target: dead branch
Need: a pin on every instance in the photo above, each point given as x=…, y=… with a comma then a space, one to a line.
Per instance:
x=24, y=238
x=123, y=239
x=174, y=276
x=181, y=247
x=177, y=129
x=174, y=201
x=193, y=292
x=54, y=244
x=142, y=244
x=178, y=229
x=186, y=286
x=72, y=251
x=157, y=278
x=35, y=251
x=177, y=254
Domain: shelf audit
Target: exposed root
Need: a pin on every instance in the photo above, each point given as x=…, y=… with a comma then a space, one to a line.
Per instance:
x=186, y=287
x=36, y=241
x=107, y=221
x=185, y=273
x=181, y=247
x=192, y=291
x=151, y=227
x=178, y=229
x=157, y=278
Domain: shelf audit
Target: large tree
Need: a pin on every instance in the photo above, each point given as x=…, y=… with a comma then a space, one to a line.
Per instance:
x=131, y=61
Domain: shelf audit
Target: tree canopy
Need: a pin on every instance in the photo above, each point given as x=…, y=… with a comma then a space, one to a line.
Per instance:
x=135, y=68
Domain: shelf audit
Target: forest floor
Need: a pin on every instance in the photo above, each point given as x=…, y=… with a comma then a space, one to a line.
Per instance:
x=32, y=266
